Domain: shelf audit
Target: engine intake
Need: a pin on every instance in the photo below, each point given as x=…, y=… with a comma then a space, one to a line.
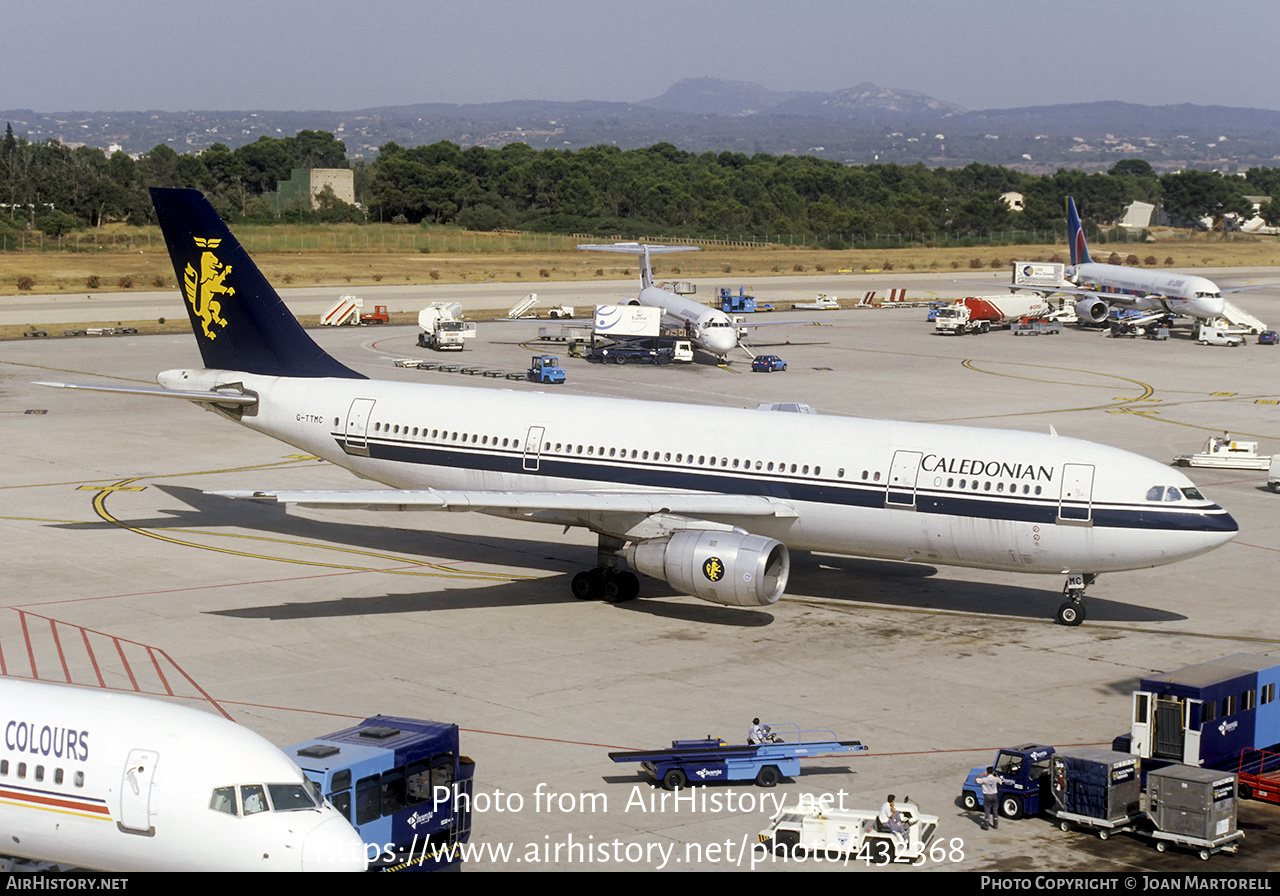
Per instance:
x=1093, y=311
x=736, y=569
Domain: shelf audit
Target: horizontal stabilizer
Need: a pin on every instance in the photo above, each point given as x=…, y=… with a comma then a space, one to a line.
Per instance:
x=239, y=399
x=637, y=248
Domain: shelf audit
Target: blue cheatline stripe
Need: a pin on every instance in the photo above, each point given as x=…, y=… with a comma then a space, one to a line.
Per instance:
x=614, y=471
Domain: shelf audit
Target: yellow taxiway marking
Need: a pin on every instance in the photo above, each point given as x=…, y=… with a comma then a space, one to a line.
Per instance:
x=437, y=570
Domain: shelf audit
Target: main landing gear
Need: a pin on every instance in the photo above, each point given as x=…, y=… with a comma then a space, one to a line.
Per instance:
x=606, y=581
x=1072, y=612
x=602, y=583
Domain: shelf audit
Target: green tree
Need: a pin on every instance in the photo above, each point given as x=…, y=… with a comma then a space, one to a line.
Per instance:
x=1204, y=194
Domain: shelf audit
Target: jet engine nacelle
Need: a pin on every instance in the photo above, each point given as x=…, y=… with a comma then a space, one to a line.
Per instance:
x=733, y=568
x=1092, y=310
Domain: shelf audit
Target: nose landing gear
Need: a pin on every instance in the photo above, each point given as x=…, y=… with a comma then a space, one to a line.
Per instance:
x=1072, y=611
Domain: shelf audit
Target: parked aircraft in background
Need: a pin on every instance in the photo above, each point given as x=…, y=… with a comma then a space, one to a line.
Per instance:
x=1100, y=286
x=711, y=329
x=708, y=499
x=115, y=782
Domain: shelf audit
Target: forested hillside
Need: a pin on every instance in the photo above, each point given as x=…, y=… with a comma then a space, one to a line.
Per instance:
x=661, y=189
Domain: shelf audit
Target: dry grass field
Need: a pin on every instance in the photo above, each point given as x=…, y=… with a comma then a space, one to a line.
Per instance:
x=138, y=260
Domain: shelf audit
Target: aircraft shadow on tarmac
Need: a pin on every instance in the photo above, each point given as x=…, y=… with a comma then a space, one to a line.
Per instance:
x=205, y=511
x=886, y=583
x=539, y=592
x=913, y=585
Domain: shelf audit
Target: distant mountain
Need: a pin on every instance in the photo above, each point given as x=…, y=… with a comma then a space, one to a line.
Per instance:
x=711, y=96
x=859, y=125
x=867, y=101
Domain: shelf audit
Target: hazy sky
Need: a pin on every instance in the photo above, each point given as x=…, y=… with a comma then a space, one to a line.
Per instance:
x=111, y=55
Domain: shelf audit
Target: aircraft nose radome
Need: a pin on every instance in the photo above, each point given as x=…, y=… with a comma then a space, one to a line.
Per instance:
x=723, y=343
x=1227, y=526
x=334, y=846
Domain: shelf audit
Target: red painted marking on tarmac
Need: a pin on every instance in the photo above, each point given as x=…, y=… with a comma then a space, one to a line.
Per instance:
x=1261, y=547
x=57, y=643
x=120, y=651
x=93, y=658
x=159, y=671
x=26, y=636
x=159, y=659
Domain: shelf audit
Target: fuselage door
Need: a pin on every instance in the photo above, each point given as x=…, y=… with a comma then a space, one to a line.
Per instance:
x=900, y=491
x=533, y=447
x=135, y=792
x=1076, y=505
x=356, y=433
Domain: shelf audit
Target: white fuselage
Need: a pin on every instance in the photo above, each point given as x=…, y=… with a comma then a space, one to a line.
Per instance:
x=710, y=328
x=940, y=494
x=115, y=782
x=1181, y=294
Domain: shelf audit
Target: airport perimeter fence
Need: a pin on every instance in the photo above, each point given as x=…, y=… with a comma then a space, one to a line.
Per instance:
x=390, y=238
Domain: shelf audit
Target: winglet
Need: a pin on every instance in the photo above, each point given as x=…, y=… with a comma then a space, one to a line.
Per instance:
x=1075, y=236
x=239, y=321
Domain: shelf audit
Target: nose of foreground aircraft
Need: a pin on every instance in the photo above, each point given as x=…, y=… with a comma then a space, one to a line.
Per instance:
x=1216, y=527
x=334, y=846
x=720, y=340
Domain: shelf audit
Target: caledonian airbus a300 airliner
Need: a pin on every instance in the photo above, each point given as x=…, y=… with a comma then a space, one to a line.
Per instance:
x=710, y=500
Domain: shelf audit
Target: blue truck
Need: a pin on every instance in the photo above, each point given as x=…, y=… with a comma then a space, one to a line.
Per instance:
x=1024, y=781
x=739, y=302
x=1222, y=714
x=712, y=759
x=402, y=783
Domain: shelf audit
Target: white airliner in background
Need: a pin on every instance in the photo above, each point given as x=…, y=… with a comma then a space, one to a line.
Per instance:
x=708, y=499
x=116, y=782
x=711, y=329
x=1102, y=285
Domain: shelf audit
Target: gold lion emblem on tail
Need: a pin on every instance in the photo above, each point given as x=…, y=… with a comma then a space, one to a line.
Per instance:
x=201, y=288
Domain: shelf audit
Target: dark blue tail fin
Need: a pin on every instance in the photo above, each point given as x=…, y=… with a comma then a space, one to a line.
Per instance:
x=239, y=321
x=1075, y=236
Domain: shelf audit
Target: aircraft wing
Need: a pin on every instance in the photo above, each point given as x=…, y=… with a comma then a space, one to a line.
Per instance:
x=1247, y=288
x=241, y=399
x=777, y=323
x=698, y=504
x=1047, y=290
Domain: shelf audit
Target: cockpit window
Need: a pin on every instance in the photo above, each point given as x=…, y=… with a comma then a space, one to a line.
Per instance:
x=224, y=800
x=287, y=797
x=254, y=798
x=1172, y=493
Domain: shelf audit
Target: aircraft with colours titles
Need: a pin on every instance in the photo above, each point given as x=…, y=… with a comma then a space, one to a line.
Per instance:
x=100, y=780
x=1102, y=285
x=711, y=500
